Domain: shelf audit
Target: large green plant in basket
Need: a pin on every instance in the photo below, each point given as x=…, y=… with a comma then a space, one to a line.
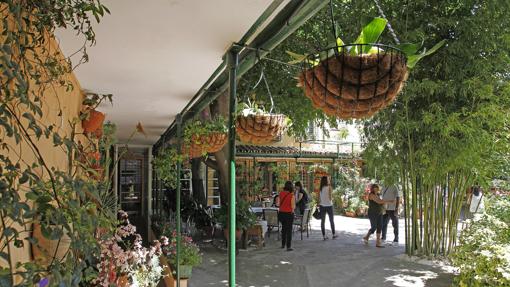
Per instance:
x=357, y=80
x=201, y=138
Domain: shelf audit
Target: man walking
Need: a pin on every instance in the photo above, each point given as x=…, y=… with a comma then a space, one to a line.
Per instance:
x=391, y=193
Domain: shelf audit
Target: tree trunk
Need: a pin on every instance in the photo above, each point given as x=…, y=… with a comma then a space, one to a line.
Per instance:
x=197, y=181
x=220, y=108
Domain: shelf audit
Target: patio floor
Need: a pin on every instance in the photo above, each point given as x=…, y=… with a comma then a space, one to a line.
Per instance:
x=345, y=261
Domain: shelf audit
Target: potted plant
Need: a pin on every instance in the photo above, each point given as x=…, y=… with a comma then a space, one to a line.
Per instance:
x=244, y=218
x=361, y=209
x=165, y=164
x=92, y=120
x=357, y=80
x=190, y=255
x=124, y=261
x=350, y=211
x=201, y=138
x=257, y=126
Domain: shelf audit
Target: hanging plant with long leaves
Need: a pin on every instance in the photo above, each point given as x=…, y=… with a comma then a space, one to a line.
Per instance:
x=357, y=80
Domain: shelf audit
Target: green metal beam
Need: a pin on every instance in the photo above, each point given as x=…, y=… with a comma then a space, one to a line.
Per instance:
x=297, y=155
x=288, y=20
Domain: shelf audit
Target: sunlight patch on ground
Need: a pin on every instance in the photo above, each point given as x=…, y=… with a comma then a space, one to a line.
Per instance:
x=285, y=263
x=413, y=278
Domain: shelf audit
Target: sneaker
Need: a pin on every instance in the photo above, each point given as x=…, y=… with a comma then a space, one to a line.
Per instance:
x=335, y=236
x=389, y=243
x=383, y=241
x=395, y=243
x=289, y=249
x=325, y=238
x=365, y=240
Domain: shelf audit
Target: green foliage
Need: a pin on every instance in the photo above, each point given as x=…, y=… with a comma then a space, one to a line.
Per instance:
x=369, y=34
x=244, y=217
x=63, y=201
x=165, y=164
x=482, y=254
x=450, y=125
x=195, y=129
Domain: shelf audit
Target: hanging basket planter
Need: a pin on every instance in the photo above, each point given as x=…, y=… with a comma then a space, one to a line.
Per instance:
x=260, y=128
x=203, y=144
x=201, y=138
x=354, y=85
x=93, y=122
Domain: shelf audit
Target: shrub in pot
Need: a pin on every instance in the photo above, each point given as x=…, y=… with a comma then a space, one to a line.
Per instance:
x=190, y=255
x=244, y=218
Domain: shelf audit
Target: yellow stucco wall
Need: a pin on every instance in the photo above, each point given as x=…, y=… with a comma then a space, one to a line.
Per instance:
x=59, y=107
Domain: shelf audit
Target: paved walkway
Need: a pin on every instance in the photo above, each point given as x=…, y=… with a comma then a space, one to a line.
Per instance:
x=345, y=261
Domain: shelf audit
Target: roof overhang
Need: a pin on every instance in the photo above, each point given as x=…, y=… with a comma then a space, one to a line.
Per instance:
x=154, y=56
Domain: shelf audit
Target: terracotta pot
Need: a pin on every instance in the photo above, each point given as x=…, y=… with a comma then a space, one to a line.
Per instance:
x=94, y=122
x=238, y=233
x=355, y=86
x=260, y=129
x=98, y=133
x=360, y=212
x=123, y=281
x=45, y=248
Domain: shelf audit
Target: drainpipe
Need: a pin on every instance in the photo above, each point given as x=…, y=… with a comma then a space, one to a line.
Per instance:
x=178, y=198
x=232, y=62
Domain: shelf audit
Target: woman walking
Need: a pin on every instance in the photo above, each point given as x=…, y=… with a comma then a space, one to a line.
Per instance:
x=326, y=206
x=375, y=214
x=286, y=203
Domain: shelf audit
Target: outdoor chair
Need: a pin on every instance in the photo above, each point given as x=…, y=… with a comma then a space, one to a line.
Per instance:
x=271, y=217
x=303, y=221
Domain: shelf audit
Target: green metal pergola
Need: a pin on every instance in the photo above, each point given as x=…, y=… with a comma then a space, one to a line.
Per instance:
x=239, y=59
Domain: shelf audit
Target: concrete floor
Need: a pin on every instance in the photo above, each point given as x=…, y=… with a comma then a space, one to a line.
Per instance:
x=345, y=261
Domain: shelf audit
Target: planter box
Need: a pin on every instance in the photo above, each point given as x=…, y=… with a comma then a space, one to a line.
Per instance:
x=168, y=278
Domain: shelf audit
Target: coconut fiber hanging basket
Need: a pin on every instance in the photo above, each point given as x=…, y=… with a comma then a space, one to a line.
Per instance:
x=257, y=126
x=260, y=128
x=203, y=144
x=351, y=85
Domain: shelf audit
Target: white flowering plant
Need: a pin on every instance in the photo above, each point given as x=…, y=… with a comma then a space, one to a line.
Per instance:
x=483, y=253
x=125, y=262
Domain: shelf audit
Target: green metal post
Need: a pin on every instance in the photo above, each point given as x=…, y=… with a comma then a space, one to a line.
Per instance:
x=178, y=199
x=233, y=60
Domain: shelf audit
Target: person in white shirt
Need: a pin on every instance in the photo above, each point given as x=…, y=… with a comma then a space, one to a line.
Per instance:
x=391, y=193
x=326, y=206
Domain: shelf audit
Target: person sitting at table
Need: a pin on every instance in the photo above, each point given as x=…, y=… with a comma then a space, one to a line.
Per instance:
x=287, y=204
x=301, y=198
x=275, y=200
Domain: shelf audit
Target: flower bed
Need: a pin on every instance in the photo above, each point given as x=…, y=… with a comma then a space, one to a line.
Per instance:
x=483, y=254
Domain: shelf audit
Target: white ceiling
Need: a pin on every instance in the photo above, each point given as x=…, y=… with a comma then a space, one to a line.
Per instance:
x=153, y=56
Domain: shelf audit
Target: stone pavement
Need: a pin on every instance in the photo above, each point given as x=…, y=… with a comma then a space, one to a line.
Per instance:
x=344, y=261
